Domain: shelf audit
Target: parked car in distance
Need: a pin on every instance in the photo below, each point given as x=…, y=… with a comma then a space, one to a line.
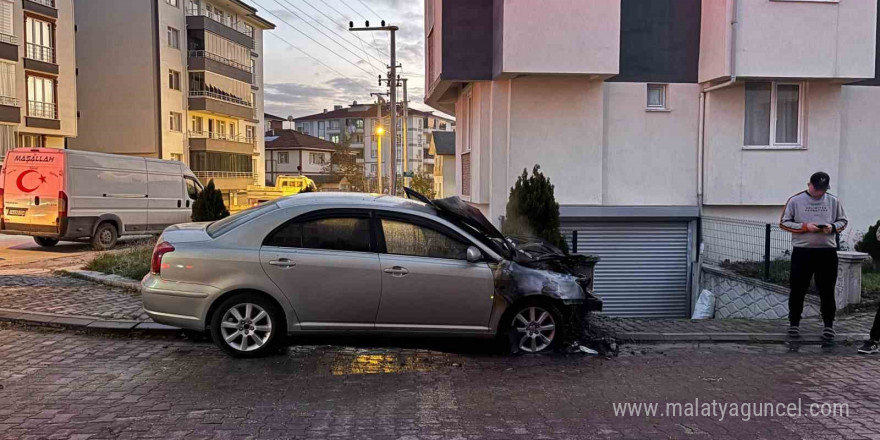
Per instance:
x=69, y=195
x=343, y=262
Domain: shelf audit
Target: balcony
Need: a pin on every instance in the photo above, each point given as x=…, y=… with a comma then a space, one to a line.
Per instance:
x=40, y=58
x=200, y=19
x=43, y=115
x=221, y=103
x=226, y=180
x=9, y=110
x=42, y=7
x=211, y=141
x=204, y=60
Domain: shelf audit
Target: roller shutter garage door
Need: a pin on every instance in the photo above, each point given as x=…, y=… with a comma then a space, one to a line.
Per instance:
x=644, y=266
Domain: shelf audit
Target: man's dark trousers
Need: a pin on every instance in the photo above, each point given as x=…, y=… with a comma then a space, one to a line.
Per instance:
x=805, y=263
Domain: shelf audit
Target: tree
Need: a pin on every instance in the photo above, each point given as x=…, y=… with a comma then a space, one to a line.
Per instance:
x=423, y=183
x=532, y=209
x=870, y=245
x=209, y=205
x=343, y=163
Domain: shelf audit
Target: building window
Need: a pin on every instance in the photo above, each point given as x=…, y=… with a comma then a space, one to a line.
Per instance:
x=177, y=157
x=7, y=84
x=6, y=20
x=359, y=123
x=466, y=174
x=174, y=120
x=466, y=123
x=198, y=126
x=40, y=39
x=656, y=96
x=374, y=168
x=284, y=158
x=41, y=97
x=773, y=114
x=443, y=126
x=334, y=138
x=316, y=158
x=250, y=133
x=334, y=124
x=358, y=139
x=173, y=79
x=173, y=38
x=30, y=141
x=175, y=3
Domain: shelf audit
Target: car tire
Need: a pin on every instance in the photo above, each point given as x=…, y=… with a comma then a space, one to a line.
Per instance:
x=45, y=241
x=247, y=325
x=105, y=237
x=533, y=326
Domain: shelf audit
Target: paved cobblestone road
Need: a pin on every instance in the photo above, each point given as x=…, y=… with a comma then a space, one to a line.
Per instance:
x=64, y=385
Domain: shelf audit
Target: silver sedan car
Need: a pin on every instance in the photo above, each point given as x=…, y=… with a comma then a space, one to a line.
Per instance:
x=347, y=262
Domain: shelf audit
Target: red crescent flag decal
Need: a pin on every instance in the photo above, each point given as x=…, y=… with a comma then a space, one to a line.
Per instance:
x=20, y=181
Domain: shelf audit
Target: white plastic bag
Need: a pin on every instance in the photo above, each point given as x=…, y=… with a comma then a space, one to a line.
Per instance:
x=705, y=307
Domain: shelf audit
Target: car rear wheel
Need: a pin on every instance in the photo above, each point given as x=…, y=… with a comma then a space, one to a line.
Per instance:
x=247, y=325
x=105, y=237
x=535, y=327
x=45, y=241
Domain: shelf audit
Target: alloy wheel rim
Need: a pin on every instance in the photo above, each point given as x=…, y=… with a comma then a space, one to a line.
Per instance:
x=536, y=327
x=246, y=327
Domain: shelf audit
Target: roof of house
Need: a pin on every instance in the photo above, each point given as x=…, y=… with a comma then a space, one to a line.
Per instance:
x=271, y=117
x=292, y=139
x=444, y=142
x=358, y=111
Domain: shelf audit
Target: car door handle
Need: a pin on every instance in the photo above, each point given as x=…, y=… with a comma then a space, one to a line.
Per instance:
x=396, y=271
x=283, y=263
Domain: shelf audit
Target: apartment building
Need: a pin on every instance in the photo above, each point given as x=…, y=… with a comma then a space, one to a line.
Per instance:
x=358, y=123
x=647, y=114
x=37, y=74
x=174, y=79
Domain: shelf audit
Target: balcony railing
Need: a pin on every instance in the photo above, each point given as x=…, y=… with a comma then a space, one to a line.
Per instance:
x=40, y=53
x=218, y=95
x=224, y=174
x=225, y=20
x=47, y=3
x=219, y=59
x=221, y=136
x=8, y=100
x=9, y=39
x=45, y=110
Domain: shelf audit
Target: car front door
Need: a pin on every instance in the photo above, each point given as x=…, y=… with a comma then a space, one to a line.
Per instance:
x=326, y=264
x=427, y=282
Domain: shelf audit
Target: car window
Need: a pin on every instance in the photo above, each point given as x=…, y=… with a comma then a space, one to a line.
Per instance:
x=227, y=224
x=191, y=189
x=404, y=238
x=332, y=233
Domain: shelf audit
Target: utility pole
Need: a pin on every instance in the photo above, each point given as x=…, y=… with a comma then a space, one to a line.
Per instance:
x=392, y=77
x=405, y=134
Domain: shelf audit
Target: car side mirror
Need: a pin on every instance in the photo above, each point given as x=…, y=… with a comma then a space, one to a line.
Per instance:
x=474, y=255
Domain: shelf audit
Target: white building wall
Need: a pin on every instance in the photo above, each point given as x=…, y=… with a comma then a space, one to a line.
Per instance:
x=173, y=142
x=859, y=182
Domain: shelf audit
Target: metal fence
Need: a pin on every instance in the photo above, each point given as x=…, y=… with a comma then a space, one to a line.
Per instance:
x=751, y=248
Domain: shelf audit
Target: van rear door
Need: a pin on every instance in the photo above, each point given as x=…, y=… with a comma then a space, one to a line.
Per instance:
x=165, y=188
x=33, y=182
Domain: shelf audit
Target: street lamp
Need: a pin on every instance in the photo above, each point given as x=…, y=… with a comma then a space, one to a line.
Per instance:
x=379, y=132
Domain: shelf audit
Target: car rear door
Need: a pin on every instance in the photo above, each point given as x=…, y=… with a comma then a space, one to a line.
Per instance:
x=326, y=263
x=427, y=282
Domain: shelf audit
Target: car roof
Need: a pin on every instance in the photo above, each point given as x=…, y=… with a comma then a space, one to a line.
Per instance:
x=359, y=200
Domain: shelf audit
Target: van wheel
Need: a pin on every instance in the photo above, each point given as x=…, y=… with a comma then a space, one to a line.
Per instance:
x=45, y=241
x=105, y=237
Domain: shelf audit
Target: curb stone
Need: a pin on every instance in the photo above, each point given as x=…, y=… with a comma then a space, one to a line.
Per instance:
x=86, y=323
x=102, y=278
x=732, y=337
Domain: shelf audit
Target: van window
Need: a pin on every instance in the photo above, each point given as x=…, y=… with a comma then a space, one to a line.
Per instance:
x=192, y=188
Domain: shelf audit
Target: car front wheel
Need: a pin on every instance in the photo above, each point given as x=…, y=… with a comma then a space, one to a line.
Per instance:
x=247, y=325
x=535, y=327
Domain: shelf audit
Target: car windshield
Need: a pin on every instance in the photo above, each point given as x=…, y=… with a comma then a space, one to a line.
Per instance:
x=227, y=224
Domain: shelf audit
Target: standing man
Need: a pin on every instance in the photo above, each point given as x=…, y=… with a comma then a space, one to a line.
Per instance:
x=813, y=217
x=870, y=346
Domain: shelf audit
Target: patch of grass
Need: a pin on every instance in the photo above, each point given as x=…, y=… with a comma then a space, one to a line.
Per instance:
x=131, y=262
x=780, y=270
x=870, y=281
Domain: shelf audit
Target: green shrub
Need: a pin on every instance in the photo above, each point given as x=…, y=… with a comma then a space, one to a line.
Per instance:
x=869, y=244
x=132, y=262
x=209, y=205
x=532, y=210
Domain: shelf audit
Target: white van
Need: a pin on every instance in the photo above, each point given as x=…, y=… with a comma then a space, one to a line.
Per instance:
x=72, y=195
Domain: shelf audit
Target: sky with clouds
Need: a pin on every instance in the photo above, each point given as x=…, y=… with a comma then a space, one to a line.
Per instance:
x=312, y=62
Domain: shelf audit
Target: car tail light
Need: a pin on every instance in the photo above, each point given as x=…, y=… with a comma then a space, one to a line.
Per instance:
x=1, y=199
x=62, y=205
x=156, y=262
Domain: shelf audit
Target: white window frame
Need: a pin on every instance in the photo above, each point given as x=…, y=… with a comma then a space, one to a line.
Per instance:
x=175, y=121
x=800, y=144
x=173, y=79
x=316, y=158
x=175, y=3
x=664, y=104
x=173, y=38
x=283, y=157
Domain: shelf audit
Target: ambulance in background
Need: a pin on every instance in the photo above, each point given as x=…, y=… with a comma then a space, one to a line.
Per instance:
x=66, y=195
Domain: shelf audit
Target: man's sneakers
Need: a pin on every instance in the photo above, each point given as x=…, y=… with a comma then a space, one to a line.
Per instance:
x=869, y=347
x=794, y=332
x=828, y=334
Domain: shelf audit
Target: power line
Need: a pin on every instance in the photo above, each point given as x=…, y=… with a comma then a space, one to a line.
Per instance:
x=343, y=27
x=369, y=8
x=307, y=54
x=334, y=33
x=324, y=34
x=310, y=38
